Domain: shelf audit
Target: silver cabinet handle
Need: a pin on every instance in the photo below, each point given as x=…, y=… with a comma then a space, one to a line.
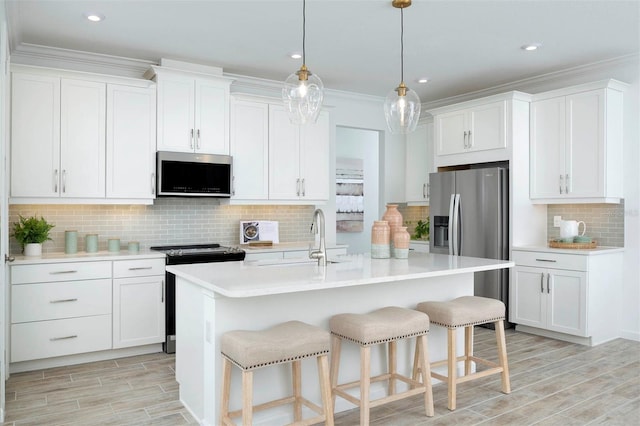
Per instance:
x=566, y=183
x=55, y=181
x=428, y=191
x=233, y=185
x=191, y=139
x=140, y=268
x=298, y=187
x=542, y=282
x=162, y=293
x=546, y=260
x=63, y=300
x=469, y=141
x=63, y=272
x=53, y=339
x=424, y=190
x=465, y=139
x=304, y=188
x=561, y=184
x=64, y=181
x=198, y=139
x=153, y=183
x=548, y=276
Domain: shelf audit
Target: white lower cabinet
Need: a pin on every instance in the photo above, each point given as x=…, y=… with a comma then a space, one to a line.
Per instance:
x=138, y=302
x=572, y=294
x=291, y=254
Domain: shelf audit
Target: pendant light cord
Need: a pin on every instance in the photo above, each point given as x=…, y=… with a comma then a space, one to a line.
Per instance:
x=401, y=45
x=304, y=26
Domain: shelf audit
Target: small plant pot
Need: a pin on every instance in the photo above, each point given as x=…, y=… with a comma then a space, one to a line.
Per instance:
x=33, y=249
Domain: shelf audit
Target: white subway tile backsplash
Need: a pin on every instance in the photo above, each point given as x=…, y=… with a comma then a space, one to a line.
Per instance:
x=167, y=221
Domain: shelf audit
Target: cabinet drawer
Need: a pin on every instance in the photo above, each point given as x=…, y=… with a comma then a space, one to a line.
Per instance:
x=550, y=260
x=263, y=255
x=47, y=301
x=52, y=272
x=138, y=268
x=44, y=339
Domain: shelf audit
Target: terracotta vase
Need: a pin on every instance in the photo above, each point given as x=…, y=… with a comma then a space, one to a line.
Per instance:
x=393, y=216
x=401, y=239
x=380, y=240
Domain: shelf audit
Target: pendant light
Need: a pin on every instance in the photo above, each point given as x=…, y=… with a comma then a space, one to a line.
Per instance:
x=402, y=105
x=302, y=92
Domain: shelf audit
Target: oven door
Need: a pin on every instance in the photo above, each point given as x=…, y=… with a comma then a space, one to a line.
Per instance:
x=169, y=345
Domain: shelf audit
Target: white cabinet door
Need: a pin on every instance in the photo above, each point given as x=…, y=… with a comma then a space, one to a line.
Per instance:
x=35, y=135
x=284, y=156
x=487, y=127
x=82, y=139
x=528, y=304
x=314, y=159
x=131, y=130
x=250, y=149
x=176, y=113
x=419, y=163
x=451, y=137
x=567, y=302
x=138, y=311
x=211, y=117
x=585, y=153
x=547, y=148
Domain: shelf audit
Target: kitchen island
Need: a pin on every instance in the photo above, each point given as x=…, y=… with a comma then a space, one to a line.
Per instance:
x=217, y=297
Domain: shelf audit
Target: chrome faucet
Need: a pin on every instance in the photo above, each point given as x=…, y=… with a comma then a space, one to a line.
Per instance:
x=317, y=226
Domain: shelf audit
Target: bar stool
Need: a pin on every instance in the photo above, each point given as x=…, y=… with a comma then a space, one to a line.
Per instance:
x=288, y=342
x=386, y=325
x=466, y=312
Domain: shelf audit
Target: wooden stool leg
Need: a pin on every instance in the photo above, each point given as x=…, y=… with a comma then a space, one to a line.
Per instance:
x=415, y=374
x=468, y=349
x=365, y=379
x=297, y=393
x=325, y=389
x=226, y=390
x=392, y=366
x=452, y=367
x=421, y=348
x=335, y=364
x=502, y=355
x=247, y=398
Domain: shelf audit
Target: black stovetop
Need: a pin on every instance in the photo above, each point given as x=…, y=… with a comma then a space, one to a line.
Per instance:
x=199, y=253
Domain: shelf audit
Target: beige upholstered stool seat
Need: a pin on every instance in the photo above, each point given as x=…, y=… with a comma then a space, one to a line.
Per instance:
x=466, y=312
x=382, y=326
x=288, y=342
x=283, y=343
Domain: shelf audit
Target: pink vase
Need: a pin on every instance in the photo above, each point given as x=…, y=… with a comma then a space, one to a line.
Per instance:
x=380, y=240
x=393, y=216
x=401, y=239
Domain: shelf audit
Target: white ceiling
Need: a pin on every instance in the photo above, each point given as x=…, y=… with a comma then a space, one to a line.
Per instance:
x=353, y=45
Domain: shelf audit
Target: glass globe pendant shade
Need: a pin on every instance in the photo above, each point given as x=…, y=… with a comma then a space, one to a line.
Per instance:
x=302, y=94
x=402, y=110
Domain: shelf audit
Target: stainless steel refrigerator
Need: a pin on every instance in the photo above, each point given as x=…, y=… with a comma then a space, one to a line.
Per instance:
x=469, y=213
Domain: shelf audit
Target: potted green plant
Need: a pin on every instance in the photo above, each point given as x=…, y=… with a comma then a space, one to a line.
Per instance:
x=31, y=232
x=421, y=231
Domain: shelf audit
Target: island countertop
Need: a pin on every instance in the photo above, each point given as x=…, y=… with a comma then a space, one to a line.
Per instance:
x=269, y=277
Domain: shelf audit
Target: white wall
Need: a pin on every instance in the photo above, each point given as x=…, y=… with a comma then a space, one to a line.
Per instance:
x=362, y=144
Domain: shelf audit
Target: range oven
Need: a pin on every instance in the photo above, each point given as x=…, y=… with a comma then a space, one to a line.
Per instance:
x=185, y=254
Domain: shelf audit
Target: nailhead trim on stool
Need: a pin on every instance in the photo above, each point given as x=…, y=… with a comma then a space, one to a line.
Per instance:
x=466, y=312
x=287, y=342
x=386, y=325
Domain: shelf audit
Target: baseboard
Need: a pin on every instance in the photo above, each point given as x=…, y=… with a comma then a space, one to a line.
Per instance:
x=630, y=335
x=61, y=361
x=554, y=335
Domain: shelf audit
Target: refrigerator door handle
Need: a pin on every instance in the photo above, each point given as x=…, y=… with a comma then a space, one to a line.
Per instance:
x=456, y=225
x=451, y=235
x=458, y=213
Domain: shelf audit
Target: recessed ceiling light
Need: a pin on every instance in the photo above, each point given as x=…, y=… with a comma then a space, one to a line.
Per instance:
x=94, y=17
x=422, y=80
x=295, y=55
x=531, y=46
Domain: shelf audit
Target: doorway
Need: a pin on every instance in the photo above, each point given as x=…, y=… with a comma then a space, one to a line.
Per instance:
x=359, y=149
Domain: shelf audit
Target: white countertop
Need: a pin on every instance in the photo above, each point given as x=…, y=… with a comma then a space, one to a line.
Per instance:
x=59, y=257
x=268, y=277
x=296, y=246
x=583, y=252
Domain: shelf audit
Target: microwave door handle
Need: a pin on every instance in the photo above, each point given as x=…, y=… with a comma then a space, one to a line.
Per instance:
x=450, y=226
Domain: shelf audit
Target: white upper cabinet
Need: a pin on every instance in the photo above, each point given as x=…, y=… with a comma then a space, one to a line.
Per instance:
x=192, y=112
x=419, y=163
x=479, y=131
x=298, y=157
x=250, y=149
x=71, y=143
x=131, y=142
x=576, y=144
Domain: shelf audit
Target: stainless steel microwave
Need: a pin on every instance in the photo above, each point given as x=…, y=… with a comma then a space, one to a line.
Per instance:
x=194, y=175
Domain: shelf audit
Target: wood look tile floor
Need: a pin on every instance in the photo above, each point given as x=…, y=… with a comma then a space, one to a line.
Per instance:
x=553, y=383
